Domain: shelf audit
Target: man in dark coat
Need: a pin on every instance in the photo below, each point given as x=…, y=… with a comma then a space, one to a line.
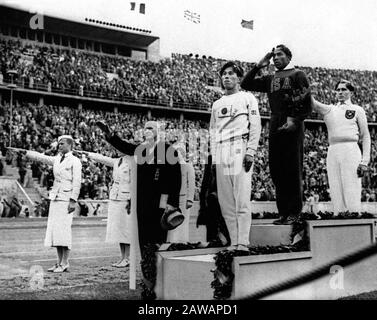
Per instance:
x=290, y=102
x=158, y=184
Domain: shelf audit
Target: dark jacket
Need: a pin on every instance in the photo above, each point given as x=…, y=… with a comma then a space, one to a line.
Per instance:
x=156, y=176
x=210, y=212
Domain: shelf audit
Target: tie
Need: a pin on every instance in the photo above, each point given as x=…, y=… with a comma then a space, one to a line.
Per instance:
x=120, y=162
x=61, y=160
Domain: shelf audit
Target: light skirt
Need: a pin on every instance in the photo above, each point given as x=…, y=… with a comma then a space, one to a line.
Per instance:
x=118, y=223
x=59, y=223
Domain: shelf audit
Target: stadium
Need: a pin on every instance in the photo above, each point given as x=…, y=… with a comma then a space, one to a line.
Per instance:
x=65, y=77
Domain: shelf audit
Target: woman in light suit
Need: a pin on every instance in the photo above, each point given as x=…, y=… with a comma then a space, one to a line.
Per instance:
x=118, y=217
x=63, y=196
x=186, y=197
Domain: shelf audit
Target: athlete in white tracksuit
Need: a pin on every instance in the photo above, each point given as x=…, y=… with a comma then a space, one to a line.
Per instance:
x=235, y=128
x=346, y=123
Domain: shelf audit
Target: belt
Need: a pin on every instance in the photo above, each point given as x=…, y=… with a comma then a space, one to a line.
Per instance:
x=344, y=141
x=245, y=136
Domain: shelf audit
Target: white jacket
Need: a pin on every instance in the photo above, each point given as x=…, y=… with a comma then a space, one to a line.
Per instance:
x=120, y=190
x=188, y=181
x=67, y=175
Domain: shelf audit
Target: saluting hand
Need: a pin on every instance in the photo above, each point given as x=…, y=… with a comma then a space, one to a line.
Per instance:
x=266, y=59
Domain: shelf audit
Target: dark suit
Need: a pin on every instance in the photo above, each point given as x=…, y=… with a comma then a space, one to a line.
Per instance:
x=154, y=178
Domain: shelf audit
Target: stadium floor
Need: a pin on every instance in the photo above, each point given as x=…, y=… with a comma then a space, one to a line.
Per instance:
x=90, y=276
x=23, y=256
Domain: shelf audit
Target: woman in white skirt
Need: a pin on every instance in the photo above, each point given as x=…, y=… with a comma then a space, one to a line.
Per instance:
x=118, y=216
x=63, y=196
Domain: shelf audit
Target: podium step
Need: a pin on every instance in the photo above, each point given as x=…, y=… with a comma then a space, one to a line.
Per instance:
x=270, y=234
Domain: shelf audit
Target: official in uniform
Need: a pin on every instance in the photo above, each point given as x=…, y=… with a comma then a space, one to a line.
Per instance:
x=158, y=174
x=186, y=198
x=63, y=197
x=346, y=124
x=235, y=128
x=286, y=137
x=118, y=216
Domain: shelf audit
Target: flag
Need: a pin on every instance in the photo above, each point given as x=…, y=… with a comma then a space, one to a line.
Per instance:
x=141, y=7
x=191, y=16
x=247, y=24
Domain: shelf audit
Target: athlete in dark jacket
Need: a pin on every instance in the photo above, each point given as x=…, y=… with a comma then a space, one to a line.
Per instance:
x=290, y=103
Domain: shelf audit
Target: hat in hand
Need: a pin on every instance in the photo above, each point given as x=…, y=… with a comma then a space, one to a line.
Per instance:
x=172, y=219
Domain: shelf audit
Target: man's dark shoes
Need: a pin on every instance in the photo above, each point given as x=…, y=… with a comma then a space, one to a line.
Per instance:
x=281, y=220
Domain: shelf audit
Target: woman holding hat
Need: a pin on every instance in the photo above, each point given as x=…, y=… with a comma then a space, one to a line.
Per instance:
x=63, y=197
x=119, y=205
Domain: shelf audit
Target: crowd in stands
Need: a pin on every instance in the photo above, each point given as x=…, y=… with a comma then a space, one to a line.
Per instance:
x=37, y=128
x=179, y=81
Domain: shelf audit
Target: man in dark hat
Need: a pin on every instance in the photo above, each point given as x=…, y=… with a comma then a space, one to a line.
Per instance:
x=290, y=103
x=235, y=128
x=158, y=186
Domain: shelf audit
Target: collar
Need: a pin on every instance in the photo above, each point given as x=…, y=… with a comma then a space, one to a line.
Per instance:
x=67, y=154
x=346, y=103
x=289, y=66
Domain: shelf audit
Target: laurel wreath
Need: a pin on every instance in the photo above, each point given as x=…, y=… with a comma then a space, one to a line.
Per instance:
x=223, y=275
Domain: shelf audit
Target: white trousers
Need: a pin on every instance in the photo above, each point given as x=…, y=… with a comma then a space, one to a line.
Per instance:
x=234, y=190
x=181, y=233
x=345, y=186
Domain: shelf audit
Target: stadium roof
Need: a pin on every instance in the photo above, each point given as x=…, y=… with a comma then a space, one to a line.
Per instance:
x=90, y=29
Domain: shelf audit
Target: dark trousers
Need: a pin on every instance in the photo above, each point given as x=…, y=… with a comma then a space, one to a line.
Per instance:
x=150, y=230
x=286, y=165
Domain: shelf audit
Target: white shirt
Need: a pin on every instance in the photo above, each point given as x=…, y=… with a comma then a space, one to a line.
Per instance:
x=346, y=122
x=233, y=116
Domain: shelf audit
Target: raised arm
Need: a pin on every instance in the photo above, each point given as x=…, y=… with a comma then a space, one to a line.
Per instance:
x=319, y=107
x=36, y=156
x=261, y=84
x=97, y=157
x=116, y=141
